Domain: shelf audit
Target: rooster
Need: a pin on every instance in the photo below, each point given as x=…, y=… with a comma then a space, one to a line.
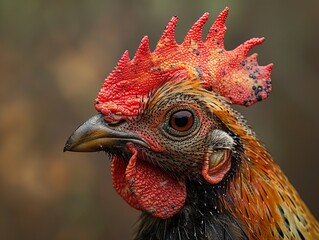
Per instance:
x=181, y=154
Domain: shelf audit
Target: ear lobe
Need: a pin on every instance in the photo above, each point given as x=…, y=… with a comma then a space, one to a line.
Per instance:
x=217, y=161
x=216, y=165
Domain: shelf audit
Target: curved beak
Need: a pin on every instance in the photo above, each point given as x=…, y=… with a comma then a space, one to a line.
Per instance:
x=96, y=135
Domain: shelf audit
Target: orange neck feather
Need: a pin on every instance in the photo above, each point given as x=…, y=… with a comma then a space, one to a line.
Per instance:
x=261, y=195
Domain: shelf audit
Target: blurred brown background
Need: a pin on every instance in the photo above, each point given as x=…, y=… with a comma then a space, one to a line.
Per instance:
x=54, y=57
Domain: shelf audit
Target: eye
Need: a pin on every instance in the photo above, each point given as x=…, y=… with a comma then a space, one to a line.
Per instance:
x=180, y=123
x=181, y=120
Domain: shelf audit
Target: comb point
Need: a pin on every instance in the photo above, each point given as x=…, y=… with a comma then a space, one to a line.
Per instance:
x=168, y=36
x=123, y=62
x=195, y=32
x=217, y=31
x=143, y=51
x=245, y=47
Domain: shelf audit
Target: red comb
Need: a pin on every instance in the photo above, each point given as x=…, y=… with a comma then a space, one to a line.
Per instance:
x=229, y=73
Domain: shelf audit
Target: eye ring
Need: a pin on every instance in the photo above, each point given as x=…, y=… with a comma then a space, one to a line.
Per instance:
x=180, y=123
x=181, y=120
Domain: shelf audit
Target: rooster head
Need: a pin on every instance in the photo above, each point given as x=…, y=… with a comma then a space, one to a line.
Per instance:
x=165, y=115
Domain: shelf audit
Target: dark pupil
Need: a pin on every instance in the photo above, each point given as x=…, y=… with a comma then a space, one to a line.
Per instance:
x=182, y=120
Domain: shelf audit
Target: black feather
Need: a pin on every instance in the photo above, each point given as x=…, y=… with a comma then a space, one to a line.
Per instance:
x=201, y=218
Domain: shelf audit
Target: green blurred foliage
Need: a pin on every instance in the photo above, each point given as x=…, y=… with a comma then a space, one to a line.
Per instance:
x=54, y=57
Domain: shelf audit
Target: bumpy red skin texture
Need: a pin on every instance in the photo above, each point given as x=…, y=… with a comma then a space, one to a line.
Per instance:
x=147, y=188
x=229, y=73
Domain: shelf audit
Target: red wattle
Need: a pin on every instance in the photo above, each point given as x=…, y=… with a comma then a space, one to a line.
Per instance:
x=146, y=187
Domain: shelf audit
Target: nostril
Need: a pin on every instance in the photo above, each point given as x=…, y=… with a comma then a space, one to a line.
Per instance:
x=116, y=123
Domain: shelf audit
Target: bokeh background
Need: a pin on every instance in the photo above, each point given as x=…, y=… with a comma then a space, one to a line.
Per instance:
x=54, y=57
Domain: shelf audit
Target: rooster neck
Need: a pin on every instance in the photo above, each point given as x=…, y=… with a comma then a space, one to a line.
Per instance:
x=202, y=217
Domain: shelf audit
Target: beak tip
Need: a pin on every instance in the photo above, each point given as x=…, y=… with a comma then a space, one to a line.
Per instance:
x=67, y=147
